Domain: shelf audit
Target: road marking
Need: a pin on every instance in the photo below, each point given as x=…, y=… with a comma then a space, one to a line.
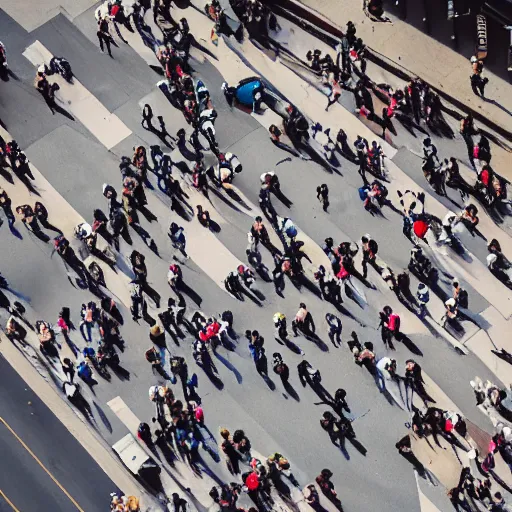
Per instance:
x=34, y=456
x=8, y=501
x=81, y=103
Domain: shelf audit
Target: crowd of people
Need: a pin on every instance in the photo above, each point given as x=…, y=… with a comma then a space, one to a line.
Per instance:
x=178, y=425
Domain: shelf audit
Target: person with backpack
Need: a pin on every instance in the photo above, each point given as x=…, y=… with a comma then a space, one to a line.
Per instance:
x=370, y=249
x=322, y=194
x=308, y=374
x=327, y=487
x=138, y=306
x=303, y=322
x=413, y=379
x=390, y=326
x=335, y=328
x=281, y=368
x=460, y=295
x=258, y=355
x=153, y=357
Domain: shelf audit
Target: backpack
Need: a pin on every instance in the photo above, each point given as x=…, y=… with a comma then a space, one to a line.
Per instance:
x=151, y=355
x=363, y=191
x=394, y=322
x=463, y=299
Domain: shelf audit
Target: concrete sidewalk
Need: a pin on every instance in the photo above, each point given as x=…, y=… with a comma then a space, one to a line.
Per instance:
x=421, y=55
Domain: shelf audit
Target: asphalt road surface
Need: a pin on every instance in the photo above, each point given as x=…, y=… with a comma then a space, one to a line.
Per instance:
x=76, y=165
x=43, y=466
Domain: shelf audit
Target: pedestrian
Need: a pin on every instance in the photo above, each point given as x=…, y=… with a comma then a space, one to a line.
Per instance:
x=144, y=434
x=140, y=270
x=42, y=216
x=260, y=234
x=322, y=194
x=104, y=36
x=179, y=504
x=414, y=380
x=68, y=369
x=89, y=316
x=232, y=455
x=303, y=321
x=177, y=235
x=6, y=205
x=147, y=117
x=138, y=306
x=308, y=374
x=370, y=249
x=390, y=326
x=28, y=218
x=404, y=449
x=281, y=368
x=153, y=357
x=312, y=498
x=327, y=487
x=467, y=130
x=478, y=83
x=335, y=328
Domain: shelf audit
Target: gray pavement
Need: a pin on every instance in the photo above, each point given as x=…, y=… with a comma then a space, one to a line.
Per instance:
x=77, y=165
x=76, y=481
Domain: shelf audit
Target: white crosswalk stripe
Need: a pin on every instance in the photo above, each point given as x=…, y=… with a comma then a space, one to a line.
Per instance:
x=81, y=103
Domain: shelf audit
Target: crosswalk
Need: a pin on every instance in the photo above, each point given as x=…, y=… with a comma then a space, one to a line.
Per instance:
x=202, y=244
x=83, y=105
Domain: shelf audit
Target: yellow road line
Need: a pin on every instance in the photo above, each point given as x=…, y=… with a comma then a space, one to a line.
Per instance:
x=34, y=456
x=9, y=502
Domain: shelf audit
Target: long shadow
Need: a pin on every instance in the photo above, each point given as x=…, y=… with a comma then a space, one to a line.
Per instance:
x=407, y=342
x=291, y=391
x=194, y=296
x=229, y=366
x=120, y=372
x=322, y=393
x=224, y=200
x=6, y=175
x=357, y=445
x=245, y=292
x=317, y=341
x=213, y=378
x=279, y=195
x=269, y=382
x=62, y=111
x=499, y=105
x=307, y=283
x=103, y=417
x=289, y=344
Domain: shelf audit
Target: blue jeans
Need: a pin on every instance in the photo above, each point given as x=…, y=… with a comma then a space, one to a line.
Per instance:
x=88, y=329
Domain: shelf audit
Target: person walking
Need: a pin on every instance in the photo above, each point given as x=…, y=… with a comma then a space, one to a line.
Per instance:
x=322, y=194
x=370, y=249
x=232, y=455
x=467, y=130
x=42, y=216
x=104, y=36
x=6, y=205
x=141, y=273
x=478, y=83
x=281, y=368
x=390, y=325
x=303, y=321
x=327, y=487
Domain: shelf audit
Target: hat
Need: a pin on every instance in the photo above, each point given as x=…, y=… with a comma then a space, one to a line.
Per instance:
x=473, y=59
x=156, y=330
x=83, y=230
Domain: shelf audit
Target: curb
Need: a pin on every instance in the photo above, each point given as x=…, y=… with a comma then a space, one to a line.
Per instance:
x=330, y=34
